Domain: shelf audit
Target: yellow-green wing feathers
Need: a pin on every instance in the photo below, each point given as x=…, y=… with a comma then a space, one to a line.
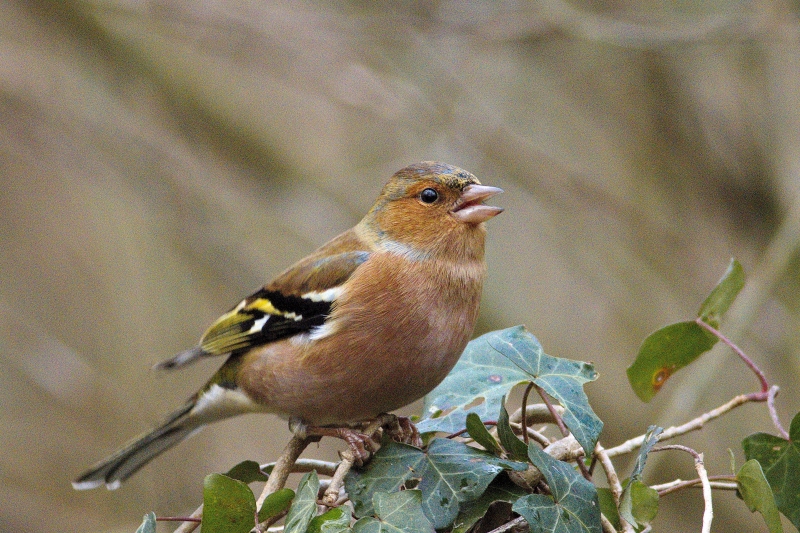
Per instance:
x=297, y=301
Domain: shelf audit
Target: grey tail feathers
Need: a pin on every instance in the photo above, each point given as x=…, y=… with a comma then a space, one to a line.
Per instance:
x=125, y=462
x=183, y=358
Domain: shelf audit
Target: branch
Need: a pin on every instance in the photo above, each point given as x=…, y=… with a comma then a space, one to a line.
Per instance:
x=613, y=482
x=697, y=423
x=283, y=466
x=708, y=511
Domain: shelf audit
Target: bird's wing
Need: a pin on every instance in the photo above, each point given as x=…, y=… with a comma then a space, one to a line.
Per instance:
x=298, y=300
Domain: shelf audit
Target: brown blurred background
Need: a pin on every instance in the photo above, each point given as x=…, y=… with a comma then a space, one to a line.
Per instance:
x=161, y=159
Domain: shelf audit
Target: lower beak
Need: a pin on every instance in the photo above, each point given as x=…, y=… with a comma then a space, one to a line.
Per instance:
x=470, y=208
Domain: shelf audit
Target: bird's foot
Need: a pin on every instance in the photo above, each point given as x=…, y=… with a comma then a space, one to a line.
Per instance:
x=361, y=444
x=402, y=429
x=364, y=439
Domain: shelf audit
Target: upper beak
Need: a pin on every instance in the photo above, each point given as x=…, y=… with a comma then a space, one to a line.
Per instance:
x=470, y=208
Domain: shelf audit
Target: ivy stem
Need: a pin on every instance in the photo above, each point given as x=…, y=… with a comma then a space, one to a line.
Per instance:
x=767, y=393
x=525, y=437
x=749, y=362
x=556, y=417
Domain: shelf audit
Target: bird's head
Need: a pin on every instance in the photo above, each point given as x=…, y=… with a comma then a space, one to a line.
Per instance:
x=431, y=209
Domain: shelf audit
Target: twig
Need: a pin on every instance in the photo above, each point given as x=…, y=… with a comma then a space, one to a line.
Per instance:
x=708, y=511
x=697, y=423
x=188, y=527
x=773, y=391
x=717, y=482
x=532, y=433
x=537, y=413
x=283, y=466
x=613, y=481
x=301, y=466
x=749, y=362
x=606, y=524
x=331, y=495
x=508, y=525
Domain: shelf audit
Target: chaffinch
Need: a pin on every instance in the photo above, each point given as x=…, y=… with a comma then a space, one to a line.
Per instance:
x=371, y=321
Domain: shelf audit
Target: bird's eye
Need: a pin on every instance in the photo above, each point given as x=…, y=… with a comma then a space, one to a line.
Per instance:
x=429, y=196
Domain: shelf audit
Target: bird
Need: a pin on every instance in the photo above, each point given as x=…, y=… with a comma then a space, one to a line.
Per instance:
x=371, y=321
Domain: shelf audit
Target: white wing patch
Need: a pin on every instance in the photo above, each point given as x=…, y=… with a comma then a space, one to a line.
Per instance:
x=328, y=295
x=258, y=325
x=218, y=402
x=320, y=332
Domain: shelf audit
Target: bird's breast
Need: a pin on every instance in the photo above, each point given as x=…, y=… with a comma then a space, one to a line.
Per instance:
x=394, y=333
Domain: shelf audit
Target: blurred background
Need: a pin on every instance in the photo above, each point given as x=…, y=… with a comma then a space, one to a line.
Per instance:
x=161, y=159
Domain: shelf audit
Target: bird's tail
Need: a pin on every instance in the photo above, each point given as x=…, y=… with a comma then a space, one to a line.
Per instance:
x=140, y=451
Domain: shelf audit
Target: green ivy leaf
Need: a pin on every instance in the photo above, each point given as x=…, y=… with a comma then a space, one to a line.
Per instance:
x=639, y=503
x=481, y=435
x=492, y=365
x=664, y=352
x=780, y=461
x=650, y=440
x=608, y=507
x=448, y=473
x=513, y=445
x=723, y=295
x=562, y=379
x=304, y=506
x=573, y=506
x=757, y=494
x=334, y=521
x=228, y=505
x=247, y=471
x=148, y=524
x=667, y=350
x=500, y=490
x=275, y=504
x=398, y=512
x=481, y=373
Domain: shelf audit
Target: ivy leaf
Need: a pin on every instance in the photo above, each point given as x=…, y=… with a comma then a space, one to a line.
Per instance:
x=723, y=295
x=562, y=379
x=500, y=490
x=639, y=503
x=757, y=494
x=650, y=440
x=247, y=471
x=664, y=352
x=482, y=373
x=608, y=507
x=304, y=506
x=275, y=504
x=573, y=506
x=399, y=512
x=148, y=524
x=481, y=435
x=780, y=461
x=228, y=505
x=447, y=474
x=492, y=365
x=513, y=445
x=334, y=521
x=667, y=350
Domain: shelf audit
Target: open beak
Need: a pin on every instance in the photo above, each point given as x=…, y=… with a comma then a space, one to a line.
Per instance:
x=470, y=208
